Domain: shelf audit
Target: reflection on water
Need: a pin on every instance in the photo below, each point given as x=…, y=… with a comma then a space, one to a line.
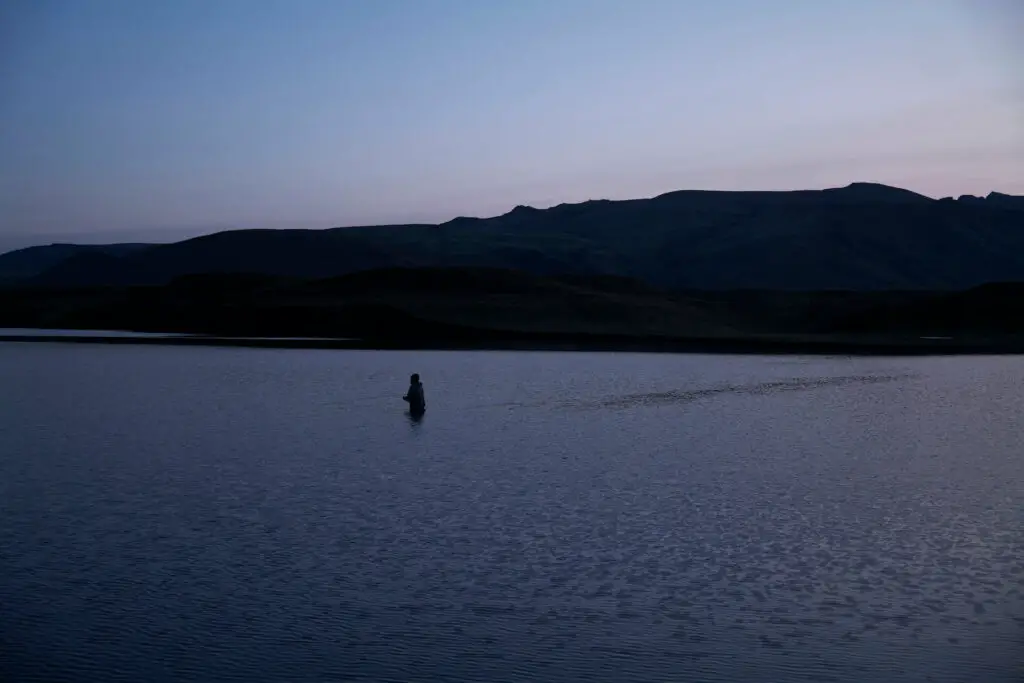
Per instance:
x=208, y=514
x=34, y=332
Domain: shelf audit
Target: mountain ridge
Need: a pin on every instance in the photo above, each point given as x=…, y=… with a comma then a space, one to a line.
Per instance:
x=863, y=236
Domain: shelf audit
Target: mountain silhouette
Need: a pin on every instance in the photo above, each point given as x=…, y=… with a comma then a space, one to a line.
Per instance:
x=863, y=237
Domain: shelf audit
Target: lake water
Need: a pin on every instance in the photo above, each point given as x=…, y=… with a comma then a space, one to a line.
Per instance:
x=35, y=331
x=216, y=514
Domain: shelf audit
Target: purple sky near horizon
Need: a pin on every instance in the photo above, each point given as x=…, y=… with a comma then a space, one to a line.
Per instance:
x=154, y=121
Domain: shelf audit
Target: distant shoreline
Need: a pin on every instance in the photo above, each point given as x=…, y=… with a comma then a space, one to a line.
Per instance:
x=558, y=343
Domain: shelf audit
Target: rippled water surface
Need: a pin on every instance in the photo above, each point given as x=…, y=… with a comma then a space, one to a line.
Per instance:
x=214, y=514
x=35, y=331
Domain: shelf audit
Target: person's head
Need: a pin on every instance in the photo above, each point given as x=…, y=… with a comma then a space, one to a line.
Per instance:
x=415, y=378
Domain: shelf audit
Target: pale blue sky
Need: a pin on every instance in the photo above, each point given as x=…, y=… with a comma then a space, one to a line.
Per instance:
x=160, y=118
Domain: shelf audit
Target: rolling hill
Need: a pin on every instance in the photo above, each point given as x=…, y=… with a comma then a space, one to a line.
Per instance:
x=32, y=262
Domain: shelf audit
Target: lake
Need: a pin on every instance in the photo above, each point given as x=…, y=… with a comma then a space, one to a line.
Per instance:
x=218, y=514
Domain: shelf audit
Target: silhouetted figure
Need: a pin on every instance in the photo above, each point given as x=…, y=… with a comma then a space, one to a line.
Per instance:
x=414, y=397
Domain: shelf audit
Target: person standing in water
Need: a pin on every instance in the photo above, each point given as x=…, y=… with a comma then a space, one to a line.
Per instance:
x=414, y=397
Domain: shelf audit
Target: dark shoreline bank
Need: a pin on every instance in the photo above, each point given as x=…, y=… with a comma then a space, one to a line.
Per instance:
x=734, y=346
x=492, y=309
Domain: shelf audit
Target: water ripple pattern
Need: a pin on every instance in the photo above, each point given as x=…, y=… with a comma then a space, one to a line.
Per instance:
x=213, y=514
x=759, y=389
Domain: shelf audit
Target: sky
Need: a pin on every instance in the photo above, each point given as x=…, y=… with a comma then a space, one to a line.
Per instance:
x=129, y=119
